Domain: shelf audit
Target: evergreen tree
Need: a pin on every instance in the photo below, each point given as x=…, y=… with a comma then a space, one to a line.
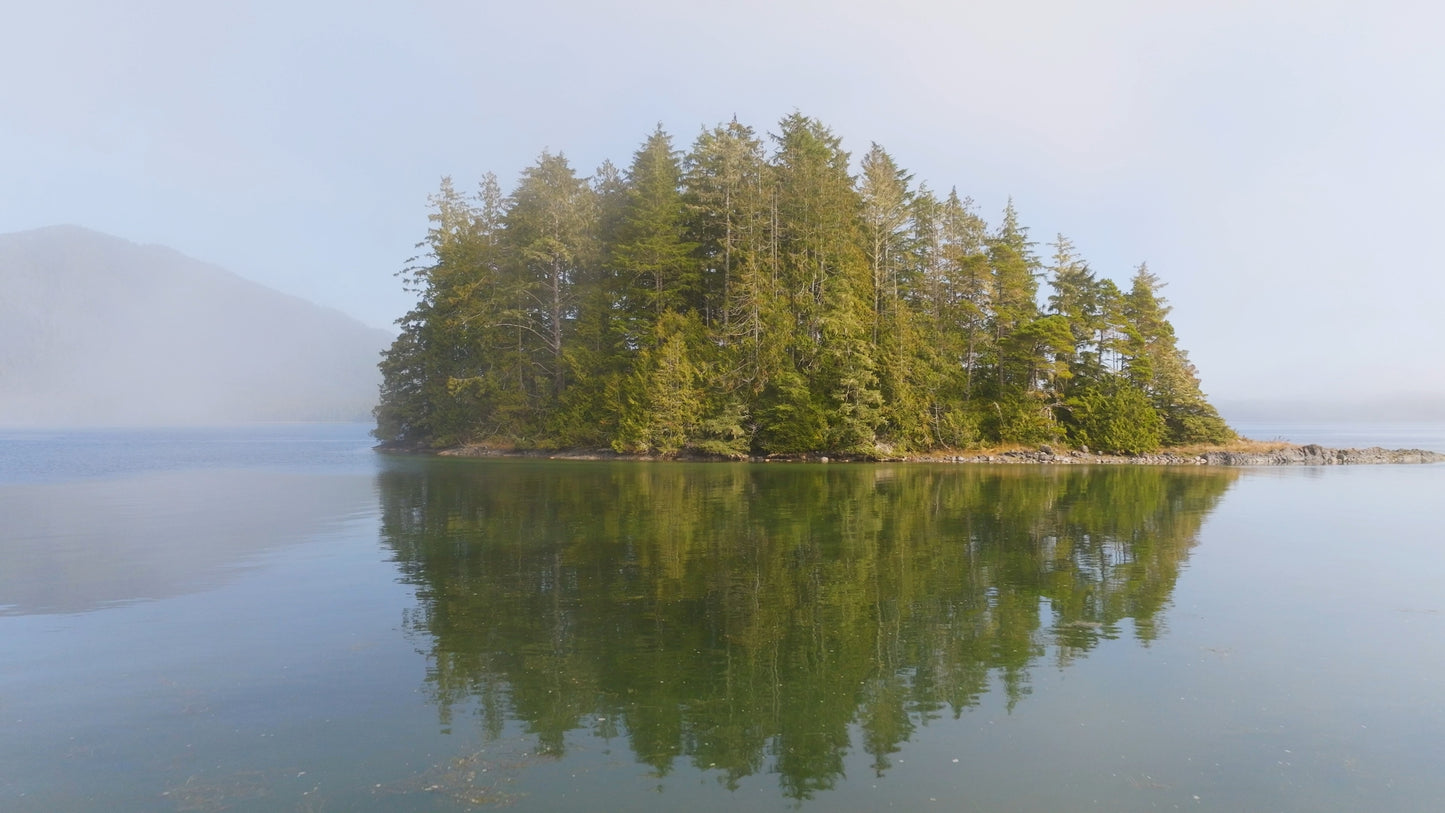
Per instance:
x=890, y=236
x=436, y=382
x=1115, y=416
x=1014, y=268
x=1019, y=416
x=1075, y=297
x=653, y=275
x=651, y=254
x=662, y=398
x=1092, y=307
x=728, y=197
x=967, y=291
x=886, y=202
x=598, y=356
x=404, y=407
x=825, y=282
x=1156, y=365
x=550, y=229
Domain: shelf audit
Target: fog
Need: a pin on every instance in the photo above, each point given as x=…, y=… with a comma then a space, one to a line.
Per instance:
x=95, y=330
x=1360, y=406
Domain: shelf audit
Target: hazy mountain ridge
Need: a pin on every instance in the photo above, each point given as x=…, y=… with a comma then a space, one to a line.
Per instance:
x=95, y=329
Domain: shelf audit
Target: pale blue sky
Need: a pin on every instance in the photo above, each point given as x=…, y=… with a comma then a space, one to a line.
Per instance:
x=1279, y=164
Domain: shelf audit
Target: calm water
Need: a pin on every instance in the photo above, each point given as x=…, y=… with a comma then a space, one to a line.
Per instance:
x=1403, y=435
x=278, y=619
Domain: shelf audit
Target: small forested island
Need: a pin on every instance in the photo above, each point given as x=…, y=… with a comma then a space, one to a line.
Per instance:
x=754, y=297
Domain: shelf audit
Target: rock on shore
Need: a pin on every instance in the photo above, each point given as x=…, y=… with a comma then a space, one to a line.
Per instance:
x=1316, y=455
x=1309, y=455
x=1286, y=455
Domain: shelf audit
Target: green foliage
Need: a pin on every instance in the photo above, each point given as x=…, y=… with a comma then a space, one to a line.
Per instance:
x=957, y=428
x=549, y=229
x=1023, y=421
x=443, y=340
x=1202, y=426
x=662, y=396
x=1114, y=418
x=1013, y=306
x=1046, y=345
x=401, y=414
x=727, y=197
x=723, y=432
x=651, y=256
x=790, y=419
x=733, y=301
x=1163, y=371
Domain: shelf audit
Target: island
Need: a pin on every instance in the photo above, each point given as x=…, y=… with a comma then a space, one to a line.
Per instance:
x=758, y=298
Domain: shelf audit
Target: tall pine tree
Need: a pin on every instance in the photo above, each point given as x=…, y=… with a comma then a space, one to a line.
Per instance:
x=1156, y=365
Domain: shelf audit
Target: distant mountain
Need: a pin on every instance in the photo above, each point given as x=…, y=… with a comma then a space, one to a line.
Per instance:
x=98, y=330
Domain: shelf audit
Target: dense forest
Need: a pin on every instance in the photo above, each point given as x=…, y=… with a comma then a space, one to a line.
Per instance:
x=756, y=296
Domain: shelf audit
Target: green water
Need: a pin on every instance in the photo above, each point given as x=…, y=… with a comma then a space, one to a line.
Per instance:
x=383, y=633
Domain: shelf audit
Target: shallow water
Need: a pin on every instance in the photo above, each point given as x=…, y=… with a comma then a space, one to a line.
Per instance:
x=277, y=619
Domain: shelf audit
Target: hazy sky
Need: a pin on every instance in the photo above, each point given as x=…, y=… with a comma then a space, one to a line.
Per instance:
x=1279, y=164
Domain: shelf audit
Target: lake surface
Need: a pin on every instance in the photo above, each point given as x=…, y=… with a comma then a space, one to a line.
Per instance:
x=276, y=618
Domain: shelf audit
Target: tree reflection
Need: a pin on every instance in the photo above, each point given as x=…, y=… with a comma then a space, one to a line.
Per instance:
x=755, y=618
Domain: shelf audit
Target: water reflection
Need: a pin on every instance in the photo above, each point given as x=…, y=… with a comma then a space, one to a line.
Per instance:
x=84, y=545
x=771, y=618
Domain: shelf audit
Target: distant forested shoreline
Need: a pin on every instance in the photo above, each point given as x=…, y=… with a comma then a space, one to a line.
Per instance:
x=754, y=296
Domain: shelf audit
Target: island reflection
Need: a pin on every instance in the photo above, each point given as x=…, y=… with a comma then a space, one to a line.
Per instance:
x=753, y=618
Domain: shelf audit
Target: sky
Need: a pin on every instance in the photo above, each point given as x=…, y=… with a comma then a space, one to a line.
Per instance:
x=1278, y=164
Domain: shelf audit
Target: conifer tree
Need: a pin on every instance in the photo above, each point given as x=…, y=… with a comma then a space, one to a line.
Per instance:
x=1156, y=365
x=886, y=213
x=662, y=396
x=1018, y=415
x=1091, y=306
x=1115, y=416
x=825, y=281
x=725, y=180
x=1014, y=287
x=436, y=375
x=893, y=255
x=961, y=292
x=726, y=196
x=652, y=255
x=597, y=357
x=550, y=229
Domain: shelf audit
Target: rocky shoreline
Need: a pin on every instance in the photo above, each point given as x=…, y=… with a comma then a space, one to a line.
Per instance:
x=1283, y=455
x=1308, y=455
